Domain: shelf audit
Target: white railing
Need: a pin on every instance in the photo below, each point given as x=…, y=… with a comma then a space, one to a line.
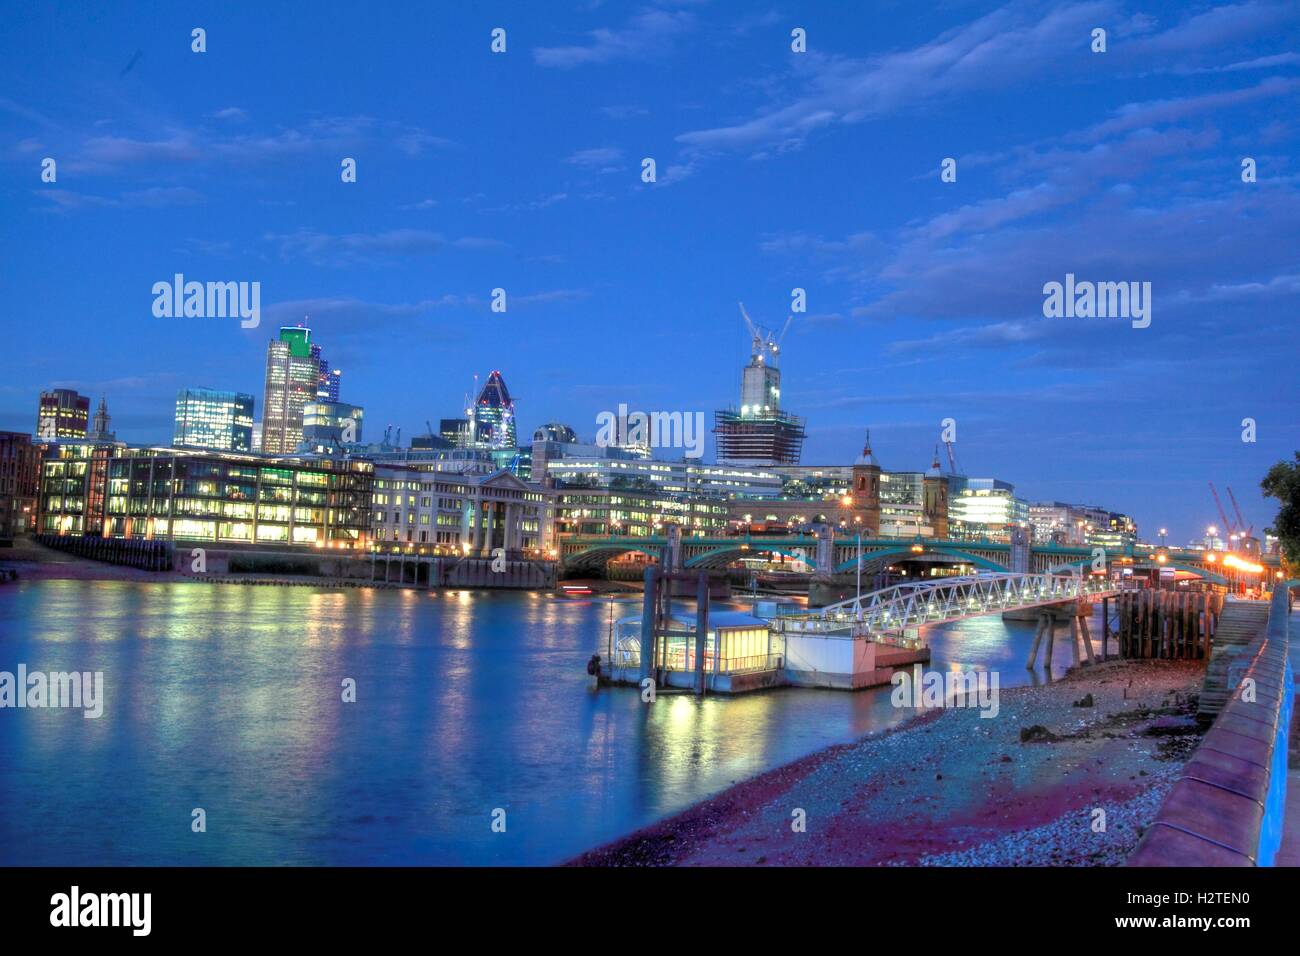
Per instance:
x=895, y=609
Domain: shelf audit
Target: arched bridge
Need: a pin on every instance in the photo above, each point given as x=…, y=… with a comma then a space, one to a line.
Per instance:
x=838, y=555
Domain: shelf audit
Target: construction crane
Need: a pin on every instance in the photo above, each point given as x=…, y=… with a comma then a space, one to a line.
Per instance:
x=952, y=458
x=1241, y=522
x=1227, y=525
x=763, y=341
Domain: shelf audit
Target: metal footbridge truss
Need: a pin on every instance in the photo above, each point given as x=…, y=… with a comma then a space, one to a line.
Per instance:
x=888, y=613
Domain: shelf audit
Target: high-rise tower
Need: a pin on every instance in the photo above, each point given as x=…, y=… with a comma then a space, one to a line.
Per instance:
x=292, y=377
x=759, y=433
x=493, y=414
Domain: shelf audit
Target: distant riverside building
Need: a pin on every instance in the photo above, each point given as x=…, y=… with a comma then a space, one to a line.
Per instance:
x=759, y=433
x=492, y=417
x=859, y=498
x=631, y=471
x=421, y=510
x=987, y=508
x=1056, y=522
x=63, y=413
x=74, y=487
x=636, y=512
x=292, y=380
x=455, y=431
x=19, y=484
x=209, y=418
x=336, y=422
x=194, y=495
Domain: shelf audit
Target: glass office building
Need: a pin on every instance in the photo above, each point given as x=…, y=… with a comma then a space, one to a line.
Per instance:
x=208, y=418
x=174, y=494
x=292, y=380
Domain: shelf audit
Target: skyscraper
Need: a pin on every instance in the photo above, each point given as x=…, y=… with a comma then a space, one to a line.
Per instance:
x=63, y=413
x=208, y=418
x=494, y=415
x=292, y=379
x=327, y=382
x=759, y=433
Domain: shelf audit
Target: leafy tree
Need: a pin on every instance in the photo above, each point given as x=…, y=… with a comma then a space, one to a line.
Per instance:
x=1283, y=483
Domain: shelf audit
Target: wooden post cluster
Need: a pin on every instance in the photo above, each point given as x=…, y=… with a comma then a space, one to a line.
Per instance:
x=1168, y=625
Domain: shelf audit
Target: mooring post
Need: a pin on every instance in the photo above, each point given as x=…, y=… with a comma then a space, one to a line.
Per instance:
x=1038, y=637
x=1105, y=627
x=648, y=608
x=702, y=633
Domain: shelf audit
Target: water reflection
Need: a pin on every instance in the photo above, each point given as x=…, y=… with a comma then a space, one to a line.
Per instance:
x=229, y=698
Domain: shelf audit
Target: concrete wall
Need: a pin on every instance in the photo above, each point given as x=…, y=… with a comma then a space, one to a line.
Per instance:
x=1227, y=807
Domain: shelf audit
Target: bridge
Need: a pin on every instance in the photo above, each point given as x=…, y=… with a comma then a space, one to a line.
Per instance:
x=891, y=611
x=830, y=554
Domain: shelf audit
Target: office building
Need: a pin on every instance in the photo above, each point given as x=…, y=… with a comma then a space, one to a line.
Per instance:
x=292, y=380
x=64, y=413
x=420, y=510
x=492, y=416
x=210, y=418
x=336, y=423
x=195, y=495
x=19, y=484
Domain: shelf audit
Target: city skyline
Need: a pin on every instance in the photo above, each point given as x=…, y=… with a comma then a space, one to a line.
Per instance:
x=924, y=297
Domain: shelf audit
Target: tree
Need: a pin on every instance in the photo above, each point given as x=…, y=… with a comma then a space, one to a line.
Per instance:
x=1283, y=483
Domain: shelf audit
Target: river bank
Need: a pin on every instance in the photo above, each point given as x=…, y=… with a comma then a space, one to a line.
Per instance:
x=950, y=787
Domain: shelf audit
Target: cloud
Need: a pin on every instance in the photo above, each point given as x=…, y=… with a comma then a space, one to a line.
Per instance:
x=323, y=248
x=1007, y=46
x=155, y=197
x=648, y=33
x=599, y=156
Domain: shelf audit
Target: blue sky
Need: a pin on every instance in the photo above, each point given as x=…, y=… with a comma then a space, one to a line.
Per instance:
x=775, y=170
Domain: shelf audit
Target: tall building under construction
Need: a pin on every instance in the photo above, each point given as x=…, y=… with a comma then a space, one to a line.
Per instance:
x=759, y=433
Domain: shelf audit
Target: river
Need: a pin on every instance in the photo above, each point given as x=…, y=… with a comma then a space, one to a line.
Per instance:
x=228, y=699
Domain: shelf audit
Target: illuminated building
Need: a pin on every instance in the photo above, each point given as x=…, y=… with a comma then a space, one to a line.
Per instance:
x=292, y=379
x=327, y=379
x=467, y=514
x=209, y=418
x=492, y=417
x=181, y=494
x=331, y=423
x=63, y=413
x=19, y=484
x=986, y=508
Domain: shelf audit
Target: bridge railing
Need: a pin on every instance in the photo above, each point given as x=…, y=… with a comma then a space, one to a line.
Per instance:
x=904, y=606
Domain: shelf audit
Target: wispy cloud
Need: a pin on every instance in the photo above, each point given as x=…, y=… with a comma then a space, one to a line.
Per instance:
x=648, y=33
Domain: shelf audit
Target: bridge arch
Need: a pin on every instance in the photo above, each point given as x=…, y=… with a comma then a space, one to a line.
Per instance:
x=598, y=556
x=964, y=556
x=721, y=557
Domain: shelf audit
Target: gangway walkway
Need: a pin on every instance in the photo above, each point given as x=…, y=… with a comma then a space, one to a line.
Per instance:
x=887, y=613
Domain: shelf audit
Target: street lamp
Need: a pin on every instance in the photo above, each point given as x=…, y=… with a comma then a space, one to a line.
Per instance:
x=1163, y=532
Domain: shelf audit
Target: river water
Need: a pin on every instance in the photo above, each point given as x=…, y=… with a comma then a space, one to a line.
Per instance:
x=228, y=699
